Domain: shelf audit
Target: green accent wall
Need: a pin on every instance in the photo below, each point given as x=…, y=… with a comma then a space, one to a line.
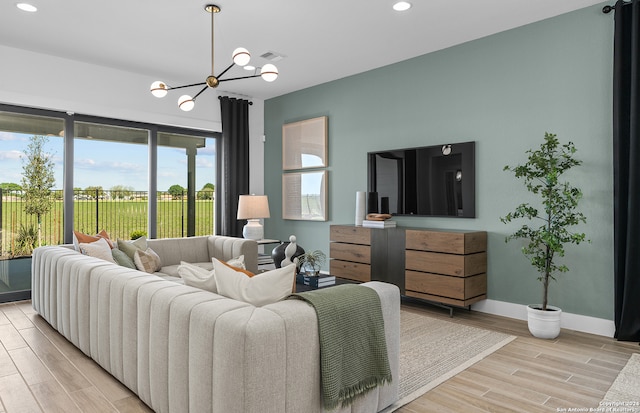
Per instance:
x=503, y=92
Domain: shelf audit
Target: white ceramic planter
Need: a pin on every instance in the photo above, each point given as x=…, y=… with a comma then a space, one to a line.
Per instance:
x=544, y=324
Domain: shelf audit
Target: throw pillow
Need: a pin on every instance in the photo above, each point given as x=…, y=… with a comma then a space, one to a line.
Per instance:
x=147, y=261
x=81, y=238
x=197, y=276
x=130, y=247
x=261, y=289
x=122, y=259
x=237, y=264
x=99, y=249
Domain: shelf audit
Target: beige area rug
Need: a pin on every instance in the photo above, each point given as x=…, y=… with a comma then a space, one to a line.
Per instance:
x=624, y=393
x=433, y=350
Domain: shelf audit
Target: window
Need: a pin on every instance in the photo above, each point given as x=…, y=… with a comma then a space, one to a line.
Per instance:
x=121, y=175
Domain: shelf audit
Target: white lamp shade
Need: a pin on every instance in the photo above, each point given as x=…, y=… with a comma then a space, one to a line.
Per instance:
x=241, y=56
x=269, y=72
x=253, y=207
x=158, y=89
x=186, y=103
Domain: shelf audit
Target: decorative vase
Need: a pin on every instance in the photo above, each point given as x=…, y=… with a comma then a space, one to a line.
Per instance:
x=544, y=324
x=372, y=203
x=277, y=254
x=361, y=207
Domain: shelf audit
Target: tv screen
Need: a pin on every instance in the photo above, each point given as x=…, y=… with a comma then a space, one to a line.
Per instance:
x=434, y=180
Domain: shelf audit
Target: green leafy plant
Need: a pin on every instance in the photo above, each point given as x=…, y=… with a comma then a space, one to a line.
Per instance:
x=26, y=240
x=559, y=199
x=137, y=234
x=312, y=261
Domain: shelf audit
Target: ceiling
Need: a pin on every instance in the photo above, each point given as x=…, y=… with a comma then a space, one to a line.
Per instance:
x=170, y=40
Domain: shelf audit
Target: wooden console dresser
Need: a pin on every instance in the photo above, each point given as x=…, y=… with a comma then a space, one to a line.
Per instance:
x=438, y=265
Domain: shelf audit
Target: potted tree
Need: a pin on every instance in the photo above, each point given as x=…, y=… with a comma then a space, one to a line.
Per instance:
x=556, y=213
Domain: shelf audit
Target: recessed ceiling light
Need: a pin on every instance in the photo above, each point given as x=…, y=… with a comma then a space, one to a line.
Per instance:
x=402, y=6
x=249, y=67
x=27, y=7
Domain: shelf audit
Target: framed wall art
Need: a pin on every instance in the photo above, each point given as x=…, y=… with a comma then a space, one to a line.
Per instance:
x=304, y=144
x=304, y=196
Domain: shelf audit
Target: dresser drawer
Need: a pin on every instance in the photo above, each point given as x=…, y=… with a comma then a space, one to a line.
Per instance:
x=456, y=288
x=448, y=264
x=451, y=242
x=350, y=252
x=350, y=270
x=350, y=234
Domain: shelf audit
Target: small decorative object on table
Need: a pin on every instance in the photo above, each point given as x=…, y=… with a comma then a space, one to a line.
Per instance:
x=378, y=221
x=311, y=262
x=361, y=205
x=319, y=281
x=278, y=253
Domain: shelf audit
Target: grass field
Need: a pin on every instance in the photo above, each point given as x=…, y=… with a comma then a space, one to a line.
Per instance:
x=118, y=217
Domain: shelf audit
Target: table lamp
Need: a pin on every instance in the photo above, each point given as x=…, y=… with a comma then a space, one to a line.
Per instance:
x=252, y=208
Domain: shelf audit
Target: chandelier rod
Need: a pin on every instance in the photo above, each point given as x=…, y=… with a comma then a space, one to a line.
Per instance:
x=181, y=87
x=198, y=94
x=213, y=10
x=225, y=70
x=238, y=78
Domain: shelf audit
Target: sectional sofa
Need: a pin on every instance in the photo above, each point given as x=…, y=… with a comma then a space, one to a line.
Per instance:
x=182, y=349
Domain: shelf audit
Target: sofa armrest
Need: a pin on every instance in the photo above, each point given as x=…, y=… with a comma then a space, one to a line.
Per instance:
x=225, y=248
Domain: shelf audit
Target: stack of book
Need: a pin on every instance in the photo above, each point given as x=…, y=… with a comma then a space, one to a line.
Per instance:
x=264, y=259
x=323, y=280
x=379, y=224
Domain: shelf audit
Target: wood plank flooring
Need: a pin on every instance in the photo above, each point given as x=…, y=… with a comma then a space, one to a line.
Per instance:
x=40, y=371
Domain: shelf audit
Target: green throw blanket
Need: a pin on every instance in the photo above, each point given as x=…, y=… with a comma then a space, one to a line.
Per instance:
x=353, y=350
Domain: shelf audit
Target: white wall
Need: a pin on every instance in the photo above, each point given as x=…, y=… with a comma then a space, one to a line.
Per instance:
x=49, y=82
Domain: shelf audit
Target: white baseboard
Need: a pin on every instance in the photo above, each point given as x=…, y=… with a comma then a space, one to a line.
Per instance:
x=577, y=322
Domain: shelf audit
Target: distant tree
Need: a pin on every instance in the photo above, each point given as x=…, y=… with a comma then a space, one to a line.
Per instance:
x=94, y=192
x=209, y=185
x=121, y=191
x=176, y=191
x=9, y=186
x=37, y=180
x=205, y=194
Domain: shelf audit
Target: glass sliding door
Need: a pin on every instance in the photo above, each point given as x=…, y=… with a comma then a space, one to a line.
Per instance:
x=186, y=185
x=111, y=179
x=31, y=156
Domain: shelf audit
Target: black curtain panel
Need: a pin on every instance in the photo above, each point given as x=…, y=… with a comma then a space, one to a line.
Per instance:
x=626, y=149
x=235, y=168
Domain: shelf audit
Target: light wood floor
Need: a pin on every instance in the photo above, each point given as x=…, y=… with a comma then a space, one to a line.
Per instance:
x=40, y=371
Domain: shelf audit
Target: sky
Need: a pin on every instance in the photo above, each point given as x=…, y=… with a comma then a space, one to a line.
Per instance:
x=107, y=164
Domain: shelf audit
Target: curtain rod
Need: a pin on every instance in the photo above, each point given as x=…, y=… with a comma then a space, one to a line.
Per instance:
x=608, y=9
x=250, y=102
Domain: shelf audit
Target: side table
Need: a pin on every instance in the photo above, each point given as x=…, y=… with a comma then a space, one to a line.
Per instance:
x=264, y=258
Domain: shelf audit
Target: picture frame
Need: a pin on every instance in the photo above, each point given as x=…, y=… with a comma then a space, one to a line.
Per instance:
x=304, y=195
x=304, y=144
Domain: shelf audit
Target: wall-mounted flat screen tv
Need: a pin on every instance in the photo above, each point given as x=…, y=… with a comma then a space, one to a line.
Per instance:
x=434, y=180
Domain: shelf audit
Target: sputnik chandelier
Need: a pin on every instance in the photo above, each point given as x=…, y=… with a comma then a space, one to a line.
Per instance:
x=240, y=57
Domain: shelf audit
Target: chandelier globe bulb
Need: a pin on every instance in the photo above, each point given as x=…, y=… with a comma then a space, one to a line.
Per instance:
x=269, y=72
x=241, y=56
x=186, y=103
x=159, y=89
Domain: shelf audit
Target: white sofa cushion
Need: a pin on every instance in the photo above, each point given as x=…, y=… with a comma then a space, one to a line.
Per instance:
x=261, y=289
x=98, y=249
x=198, y=277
